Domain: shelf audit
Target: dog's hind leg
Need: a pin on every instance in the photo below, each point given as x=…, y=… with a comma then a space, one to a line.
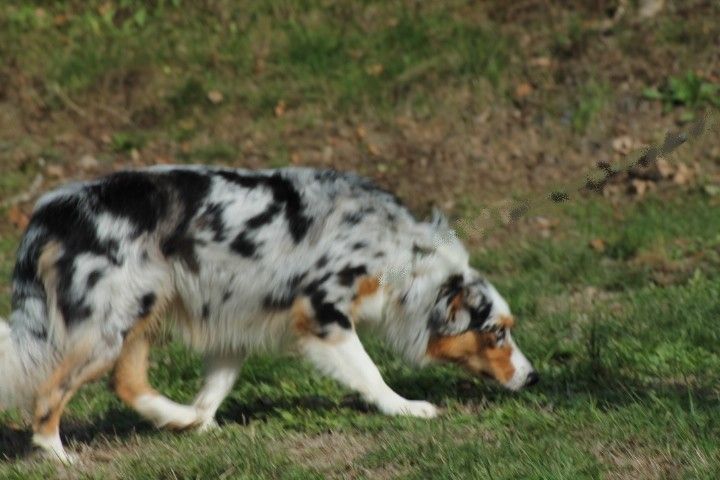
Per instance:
x=221, y=371
x=335, y=349
x=131, y=384
x=77, y=368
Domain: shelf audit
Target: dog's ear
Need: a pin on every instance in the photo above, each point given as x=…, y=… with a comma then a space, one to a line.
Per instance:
x=449, y=315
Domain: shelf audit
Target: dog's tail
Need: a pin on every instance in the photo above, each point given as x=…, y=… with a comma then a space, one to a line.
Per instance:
x=24, y=359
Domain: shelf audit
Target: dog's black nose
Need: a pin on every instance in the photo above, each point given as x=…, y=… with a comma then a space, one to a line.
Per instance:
x=532, y=379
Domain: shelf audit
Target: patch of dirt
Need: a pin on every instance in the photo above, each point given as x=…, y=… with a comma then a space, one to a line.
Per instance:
x=334, y=454
x=633, y=462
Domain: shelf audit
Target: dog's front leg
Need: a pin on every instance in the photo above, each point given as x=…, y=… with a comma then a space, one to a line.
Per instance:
x=339, y=354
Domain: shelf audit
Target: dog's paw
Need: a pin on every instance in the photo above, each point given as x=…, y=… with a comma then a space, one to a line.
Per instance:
x=50, y=448
x=412, y=408
x=207, y=425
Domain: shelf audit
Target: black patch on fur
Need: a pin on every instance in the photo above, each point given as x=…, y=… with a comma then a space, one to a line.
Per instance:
x=67, y=221
x=347, y=276
x=146, y=304
x=321, y=262
x=243, y=246
x=136, y=196
x=314, y=285
x=359, y=245
x=41, y=335
x=283, y=192
x=286, y=298
x=190, y=188
x=93, y=278
x=452, y=286
x=478, y=316
x=326, y=313
x=212, y=218
x=352, y=218
x=264, y=217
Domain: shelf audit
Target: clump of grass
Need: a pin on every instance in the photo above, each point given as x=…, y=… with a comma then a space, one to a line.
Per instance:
x=591, y=98
x=690, y=91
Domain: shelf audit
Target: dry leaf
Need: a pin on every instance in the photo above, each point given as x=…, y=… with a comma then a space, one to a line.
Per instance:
x=597, y=244
x=280, y=108
x=623, y=144
x=55, y=171
x=683, y=174
x=542, y=62
x=664, y=167
x=640, y=187
x=523, y=90
x=215, y=96
x=17, y=217
x=650, y=8
x=88, y=162
x=374, y=70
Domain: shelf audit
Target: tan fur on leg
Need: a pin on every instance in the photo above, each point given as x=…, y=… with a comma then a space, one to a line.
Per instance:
x=53, y=396
x=131, y=384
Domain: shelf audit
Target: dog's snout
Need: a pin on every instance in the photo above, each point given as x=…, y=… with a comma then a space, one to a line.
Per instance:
x=532, y=379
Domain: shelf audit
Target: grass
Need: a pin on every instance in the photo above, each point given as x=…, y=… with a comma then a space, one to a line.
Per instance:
x=625, y=336
x=628, y=378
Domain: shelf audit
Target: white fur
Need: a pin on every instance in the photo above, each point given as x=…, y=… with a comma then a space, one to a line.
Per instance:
x=220, y=376
x=11, y=381
x=522, y=366
x=163, y=411
x=344, y=359
x=51, y=446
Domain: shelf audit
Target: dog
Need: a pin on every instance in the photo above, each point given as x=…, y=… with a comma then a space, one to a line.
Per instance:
x=247, y=261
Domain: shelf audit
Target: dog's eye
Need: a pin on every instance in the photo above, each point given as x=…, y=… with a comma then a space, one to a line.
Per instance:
x=500, y=336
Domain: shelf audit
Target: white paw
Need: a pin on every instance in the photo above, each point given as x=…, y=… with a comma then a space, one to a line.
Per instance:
x=411, y=408
x=207, y=425
x=52, y=449
x=181, y=418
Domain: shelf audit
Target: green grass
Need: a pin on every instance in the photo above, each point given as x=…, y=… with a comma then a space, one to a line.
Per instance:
x=259, y=53
x=629, y=378
x=625, y=338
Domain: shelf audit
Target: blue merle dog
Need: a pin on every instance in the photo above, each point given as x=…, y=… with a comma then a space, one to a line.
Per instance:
x=247, y=261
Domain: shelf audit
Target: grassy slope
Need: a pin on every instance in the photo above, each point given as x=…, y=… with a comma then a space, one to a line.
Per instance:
x=626, y=339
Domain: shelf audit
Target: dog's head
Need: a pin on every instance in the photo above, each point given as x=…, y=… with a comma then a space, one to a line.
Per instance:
x=471, y=325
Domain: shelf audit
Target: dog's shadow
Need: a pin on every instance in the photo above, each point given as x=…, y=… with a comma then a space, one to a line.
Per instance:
x=120, y=422
x=563, y=390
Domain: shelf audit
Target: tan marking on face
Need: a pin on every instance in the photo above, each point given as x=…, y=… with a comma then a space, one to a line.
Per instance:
x=506, y=321
x=475, y=351
x=456, y=304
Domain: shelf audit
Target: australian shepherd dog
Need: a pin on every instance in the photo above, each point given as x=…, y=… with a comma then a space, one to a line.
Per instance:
x=245, y=261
